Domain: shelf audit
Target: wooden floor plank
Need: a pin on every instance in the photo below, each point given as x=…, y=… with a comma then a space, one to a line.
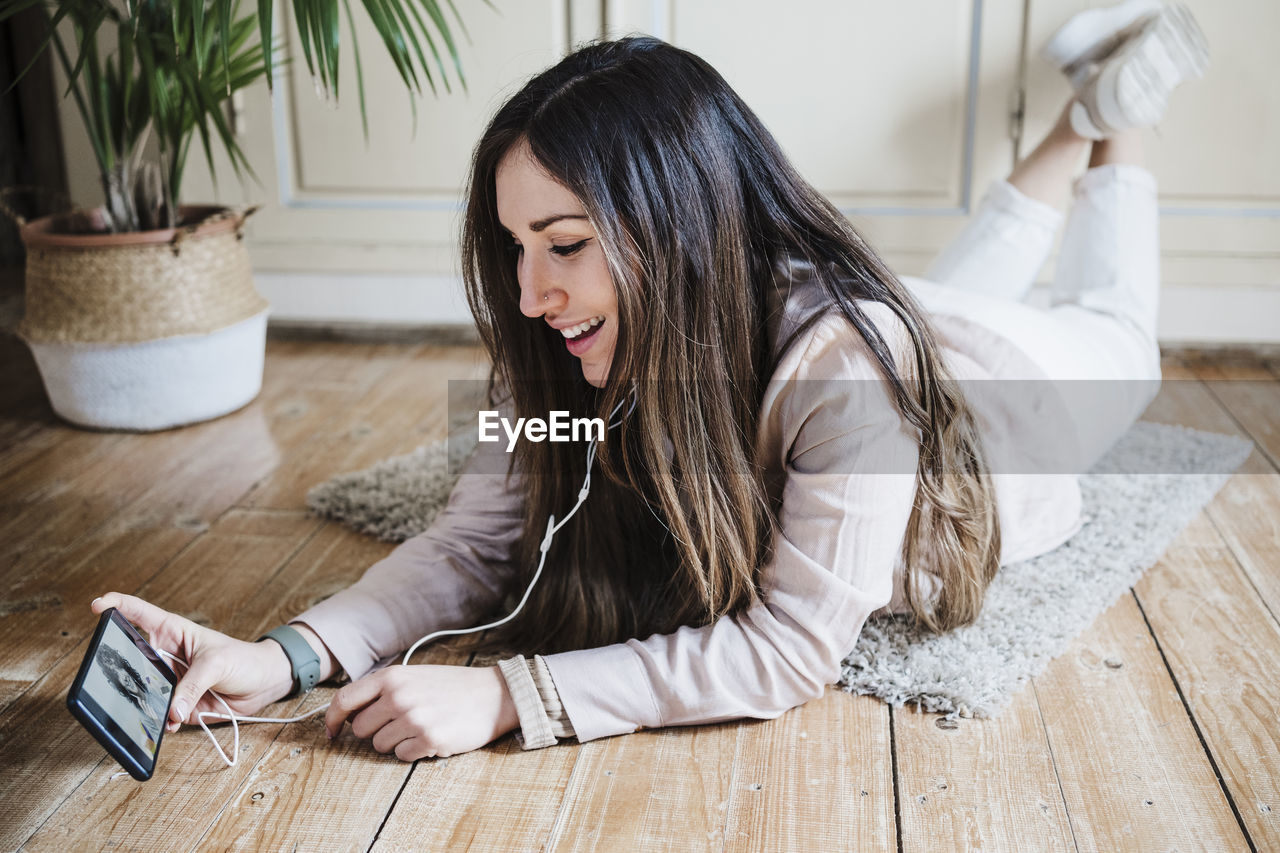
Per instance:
x=237, y=488
x=1245, y=510
x=83, y=482
x=979, y=784
x=820, y=777
x=69, y=484
x=1112, y=716
x=498, y=798
x=1251, y=394
x=275, y=807
x=137, y=541
x=649, y=790
x=25, y=433
x=678, y=787
x=1201, y=606
x=407, y=408
x=25, y=436
x=1247, y=514
x=126, y=550
x=1220, y=582
x=284, y=771
x=73, y=449
x=325, y=575
x=992, y=784
x=216, y=581
x=1133, y=771
x=66, y=451
x=1185, y=400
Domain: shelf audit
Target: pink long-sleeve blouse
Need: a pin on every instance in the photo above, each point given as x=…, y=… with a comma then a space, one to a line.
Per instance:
x=840, y=467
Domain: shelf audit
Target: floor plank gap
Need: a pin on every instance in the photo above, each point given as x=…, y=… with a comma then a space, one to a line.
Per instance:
x=391, y=808
x=1057, y=774
x=1195, y=724
x=897, y=794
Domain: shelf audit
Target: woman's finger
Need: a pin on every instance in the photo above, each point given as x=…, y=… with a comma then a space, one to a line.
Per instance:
x=388, y=736
x=413, y=749
x=368, y=721
x=203, y=674
x=348, y=700
x=144, y=614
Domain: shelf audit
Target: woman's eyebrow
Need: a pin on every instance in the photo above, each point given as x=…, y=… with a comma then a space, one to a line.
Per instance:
x=540, y=224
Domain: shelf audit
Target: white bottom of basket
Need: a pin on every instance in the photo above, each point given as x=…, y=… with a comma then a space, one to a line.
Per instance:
x=155, y=384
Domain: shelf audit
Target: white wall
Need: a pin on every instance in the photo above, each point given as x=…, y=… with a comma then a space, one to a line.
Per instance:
x=901, y=112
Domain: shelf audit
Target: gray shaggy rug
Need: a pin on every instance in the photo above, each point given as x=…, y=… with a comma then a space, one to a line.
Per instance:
x=1033, y=608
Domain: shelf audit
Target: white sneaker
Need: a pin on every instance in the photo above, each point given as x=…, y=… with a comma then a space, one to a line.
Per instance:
x=1132, y=85
x=1089, y=37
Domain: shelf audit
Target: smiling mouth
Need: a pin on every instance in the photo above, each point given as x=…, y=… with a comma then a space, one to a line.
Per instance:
x=581, y=342
x=584, y=328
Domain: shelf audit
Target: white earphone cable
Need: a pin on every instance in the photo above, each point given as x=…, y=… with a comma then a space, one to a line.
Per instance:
x=543, y=548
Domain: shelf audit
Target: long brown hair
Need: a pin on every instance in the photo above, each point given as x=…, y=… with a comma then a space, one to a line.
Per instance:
x=693, y=202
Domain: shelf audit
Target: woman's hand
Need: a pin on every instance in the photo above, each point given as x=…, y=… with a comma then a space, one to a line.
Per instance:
x=425, y=710
x=249, y=676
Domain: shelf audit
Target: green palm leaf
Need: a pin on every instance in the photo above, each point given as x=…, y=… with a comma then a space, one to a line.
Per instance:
x=176, y=62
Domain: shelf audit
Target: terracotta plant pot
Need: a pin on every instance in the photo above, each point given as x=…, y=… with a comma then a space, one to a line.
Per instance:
x=144, y=330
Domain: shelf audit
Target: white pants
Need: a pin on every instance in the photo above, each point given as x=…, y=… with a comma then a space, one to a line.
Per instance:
x=1100, y=327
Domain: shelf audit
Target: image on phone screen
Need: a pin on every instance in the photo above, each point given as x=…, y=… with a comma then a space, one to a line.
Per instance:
x=128, y=689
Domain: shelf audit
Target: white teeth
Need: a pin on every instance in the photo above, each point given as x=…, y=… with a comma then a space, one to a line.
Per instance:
x=574, y=331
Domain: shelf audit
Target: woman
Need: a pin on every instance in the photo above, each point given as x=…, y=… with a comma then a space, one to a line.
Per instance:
x=792, y=450
x=126, y=681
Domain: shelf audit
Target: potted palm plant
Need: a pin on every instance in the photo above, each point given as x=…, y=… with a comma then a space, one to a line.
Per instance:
x=142, y=313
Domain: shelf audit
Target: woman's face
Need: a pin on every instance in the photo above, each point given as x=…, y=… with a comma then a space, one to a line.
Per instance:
x=563, y=276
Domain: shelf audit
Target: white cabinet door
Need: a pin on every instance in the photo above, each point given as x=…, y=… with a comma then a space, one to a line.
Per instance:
x=898, y=112
x=399, y=192
x=1216, y=156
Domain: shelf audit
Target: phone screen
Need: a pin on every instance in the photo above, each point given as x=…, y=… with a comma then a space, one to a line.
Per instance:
x=126, y=685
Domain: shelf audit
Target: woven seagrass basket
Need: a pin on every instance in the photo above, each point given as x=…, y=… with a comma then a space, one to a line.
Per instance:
x=144, y=330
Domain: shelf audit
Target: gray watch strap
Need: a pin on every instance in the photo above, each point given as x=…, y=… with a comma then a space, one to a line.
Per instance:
x=303, y=658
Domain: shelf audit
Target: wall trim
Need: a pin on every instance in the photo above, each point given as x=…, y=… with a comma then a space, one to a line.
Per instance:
x=1189, y=314
x=388, y=300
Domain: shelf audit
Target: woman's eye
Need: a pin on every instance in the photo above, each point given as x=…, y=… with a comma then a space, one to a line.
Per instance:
x=572, y=248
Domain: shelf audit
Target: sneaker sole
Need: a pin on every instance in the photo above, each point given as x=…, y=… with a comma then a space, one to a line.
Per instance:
x=1089, y=32
x=1192, y=48
x=1146, y=92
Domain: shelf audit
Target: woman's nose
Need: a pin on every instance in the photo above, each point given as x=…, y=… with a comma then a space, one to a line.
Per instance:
x=538, y=293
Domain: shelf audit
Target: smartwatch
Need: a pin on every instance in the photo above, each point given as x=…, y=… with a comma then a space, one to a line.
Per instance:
x=303, y=658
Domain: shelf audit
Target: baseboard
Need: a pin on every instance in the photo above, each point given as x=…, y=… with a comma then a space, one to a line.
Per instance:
x=1211, y=315
x=409, y=306
x=1214, y=315
x=379, y=333
x=433, y=308
x=391, y=300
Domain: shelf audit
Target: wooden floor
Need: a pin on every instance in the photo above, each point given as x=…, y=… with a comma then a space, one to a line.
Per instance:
x=1158, y=730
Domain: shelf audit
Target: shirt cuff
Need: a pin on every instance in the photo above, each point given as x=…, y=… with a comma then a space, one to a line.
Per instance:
x=532, y=690
x=560, y=723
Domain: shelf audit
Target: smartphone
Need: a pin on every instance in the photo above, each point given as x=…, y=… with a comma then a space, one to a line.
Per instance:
x=122, y=694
